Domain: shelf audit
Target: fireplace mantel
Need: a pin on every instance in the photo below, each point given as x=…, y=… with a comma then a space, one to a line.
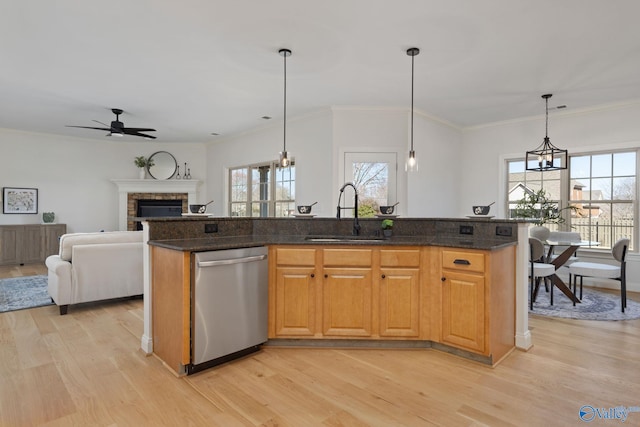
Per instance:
x=126, y=186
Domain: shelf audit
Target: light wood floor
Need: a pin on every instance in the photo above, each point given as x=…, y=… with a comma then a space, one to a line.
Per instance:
x=86, y=368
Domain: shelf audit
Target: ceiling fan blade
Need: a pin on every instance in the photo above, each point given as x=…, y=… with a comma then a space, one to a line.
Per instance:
x=87, y=127
x=98, y=121
x=138, y=130
x=141, y=134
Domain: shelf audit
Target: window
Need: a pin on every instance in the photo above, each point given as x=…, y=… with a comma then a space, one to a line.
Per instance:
x=602, y=186
x=263, y=190
x=374, y=175
x=521, y=181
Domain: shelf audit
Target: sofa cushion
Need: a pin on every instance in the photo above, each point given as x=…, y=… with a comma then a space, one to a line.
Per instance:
x=67, y=241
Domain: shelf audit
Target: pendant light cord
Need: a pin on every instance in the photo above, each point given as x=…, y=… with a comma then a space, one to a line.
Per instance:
x=546, y=123
x=285, y=102
x=412, y=61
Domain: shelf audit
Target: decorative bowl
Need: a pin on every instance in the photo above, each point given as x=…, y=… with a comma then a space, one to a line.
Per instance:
x=197, y=209
x=481, y=210
x=387, y=210
x=304, y=209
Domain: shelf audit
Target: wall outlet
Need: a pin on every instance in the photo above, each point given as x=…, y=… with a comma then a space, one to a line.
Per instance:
x=503, y=230
x=211, y=228
x=466, y=229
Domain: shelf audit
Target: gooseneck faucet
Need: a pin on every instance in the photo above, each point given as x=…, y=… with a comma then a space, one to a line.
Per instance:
x=356, y=225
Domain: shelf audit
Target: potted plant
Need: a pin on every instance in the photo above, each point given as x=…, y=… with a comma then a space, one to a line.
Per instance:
x=537, y=206
x=387, y=227
x=143, y=164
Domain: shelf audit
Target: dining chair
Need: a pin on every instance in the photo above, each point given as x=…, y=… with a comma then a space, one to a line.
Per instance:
x=605, y=271
x=539, y=269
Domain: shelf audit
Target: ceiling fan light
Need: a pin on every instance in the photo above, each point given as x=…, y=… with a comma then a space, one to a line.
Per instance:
x=118, y=134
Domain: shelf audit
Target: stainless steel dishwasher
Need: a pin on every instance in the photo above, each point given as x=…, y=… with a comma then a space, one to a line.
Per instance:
x=229, y=305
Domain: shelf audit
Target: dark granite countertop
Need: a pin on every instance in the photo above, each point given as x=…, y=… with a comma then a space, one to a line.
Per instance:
x=232, y=242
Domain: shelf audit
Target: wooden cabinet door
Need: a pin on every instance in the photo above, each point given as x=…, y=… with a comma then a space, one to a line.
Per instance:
x=399, y=302
x=347, y=302
x=9, y=245
x=31, y=245
x=463, y=310
x=295, y=302
x=52, y=235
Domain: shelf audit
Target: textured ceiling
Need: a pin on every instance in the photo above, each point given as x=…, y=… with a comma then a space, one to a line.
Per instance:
x=192, y=67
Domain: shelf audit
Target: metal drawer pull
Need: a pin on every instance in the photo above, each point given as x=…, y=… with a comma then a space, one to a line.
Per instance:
x=461, y=262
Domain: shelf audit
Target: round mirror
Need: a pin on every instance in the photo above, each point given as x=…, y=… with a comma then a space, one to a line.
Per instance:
x=164, y=165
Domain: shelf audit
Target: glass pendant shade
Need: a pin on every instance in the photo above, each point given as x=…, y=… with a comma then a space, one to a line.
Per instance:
x=412, y=162
x=284, y=159
x=546, y=157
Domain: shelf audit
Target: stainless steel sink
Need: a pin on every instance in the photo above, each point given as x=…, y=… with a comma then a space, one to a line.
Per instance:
x=344, y=238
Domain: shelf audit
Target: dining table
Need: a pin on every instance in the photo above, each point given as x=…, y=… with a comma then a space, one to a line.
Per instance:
x=570, y=248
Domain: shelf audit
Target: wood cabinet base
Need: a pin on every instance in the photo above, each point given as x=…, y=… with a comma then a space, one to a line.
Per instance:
x=383, y=344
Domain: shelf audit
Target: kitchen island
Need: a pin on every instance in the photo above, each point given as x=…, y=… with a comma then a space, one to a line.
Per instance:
x=427, y=286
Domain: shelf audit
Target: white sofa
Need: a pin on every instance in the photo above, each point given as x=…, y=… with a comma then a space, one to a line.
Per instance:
x=96, y=266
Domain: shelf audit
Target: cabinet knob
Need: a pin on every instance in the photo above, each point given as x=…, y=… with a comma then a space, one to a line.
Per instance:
x=383, y=276
x=313, y=275
x=443, y=279
x=326, y=275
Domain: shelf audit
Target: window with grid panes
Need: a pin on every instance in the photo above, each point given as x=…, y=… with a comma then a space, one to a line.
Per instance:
x=262, y=190
x=602, y=186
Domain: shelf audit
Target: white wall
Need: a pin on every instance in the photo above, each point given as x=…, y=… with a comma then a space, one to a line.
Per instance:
x=73, y=175
x=318, y=143
x=308, y=142
x=486, y=148
x=434, y=190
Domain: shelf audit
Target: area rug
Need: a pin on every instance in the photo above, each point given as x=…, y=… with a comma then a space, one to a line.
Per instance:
x=595, y=305
x=23, y=292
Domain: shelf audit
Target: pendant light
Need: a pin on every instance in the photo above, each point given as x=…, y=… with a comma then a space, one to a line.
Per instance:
x=412, y=163
x=284, y=155
x=546, y=157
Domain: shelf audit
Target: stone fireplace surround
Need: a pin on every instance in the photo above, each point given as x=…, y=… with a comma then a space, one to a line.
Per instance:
x=132, y=203
x=132, y=190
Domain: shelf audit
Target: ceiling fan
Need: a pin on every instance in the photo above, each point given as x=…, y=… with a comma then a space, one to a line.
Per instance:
x=117, y=127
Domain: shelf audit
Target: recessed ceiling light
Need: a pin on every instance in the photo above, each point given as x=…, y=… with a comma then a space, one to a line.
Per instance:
x=266, y=117
x=214, y=134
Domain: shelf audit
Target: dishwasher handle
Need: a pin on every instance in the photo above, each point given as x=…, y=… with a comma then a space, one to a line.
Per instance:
x=231, y=261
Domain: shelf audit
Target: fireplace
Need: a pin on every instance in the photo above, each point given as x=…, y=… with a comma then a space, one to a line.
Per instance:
x=154, y=205
x=131, y=190
x=157, y=208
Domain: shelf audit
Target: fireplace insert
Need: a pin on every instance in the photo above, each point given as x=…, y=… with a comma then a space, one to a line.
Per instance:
x=157, y=208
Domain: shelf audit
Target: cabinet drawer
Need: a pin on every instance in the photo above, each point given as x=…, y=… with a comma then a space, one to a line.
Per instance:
x=348, y=257
x=400, y=258
x=463, y=261
x=296, y=256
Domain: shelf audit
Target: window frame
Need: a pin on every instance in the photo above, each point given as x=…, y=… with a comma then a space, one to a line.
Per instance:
x=270, y=203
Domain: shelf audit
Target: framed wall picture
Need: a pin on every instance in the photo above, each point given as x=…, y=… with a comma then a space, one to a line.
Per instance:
x=19, y=200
